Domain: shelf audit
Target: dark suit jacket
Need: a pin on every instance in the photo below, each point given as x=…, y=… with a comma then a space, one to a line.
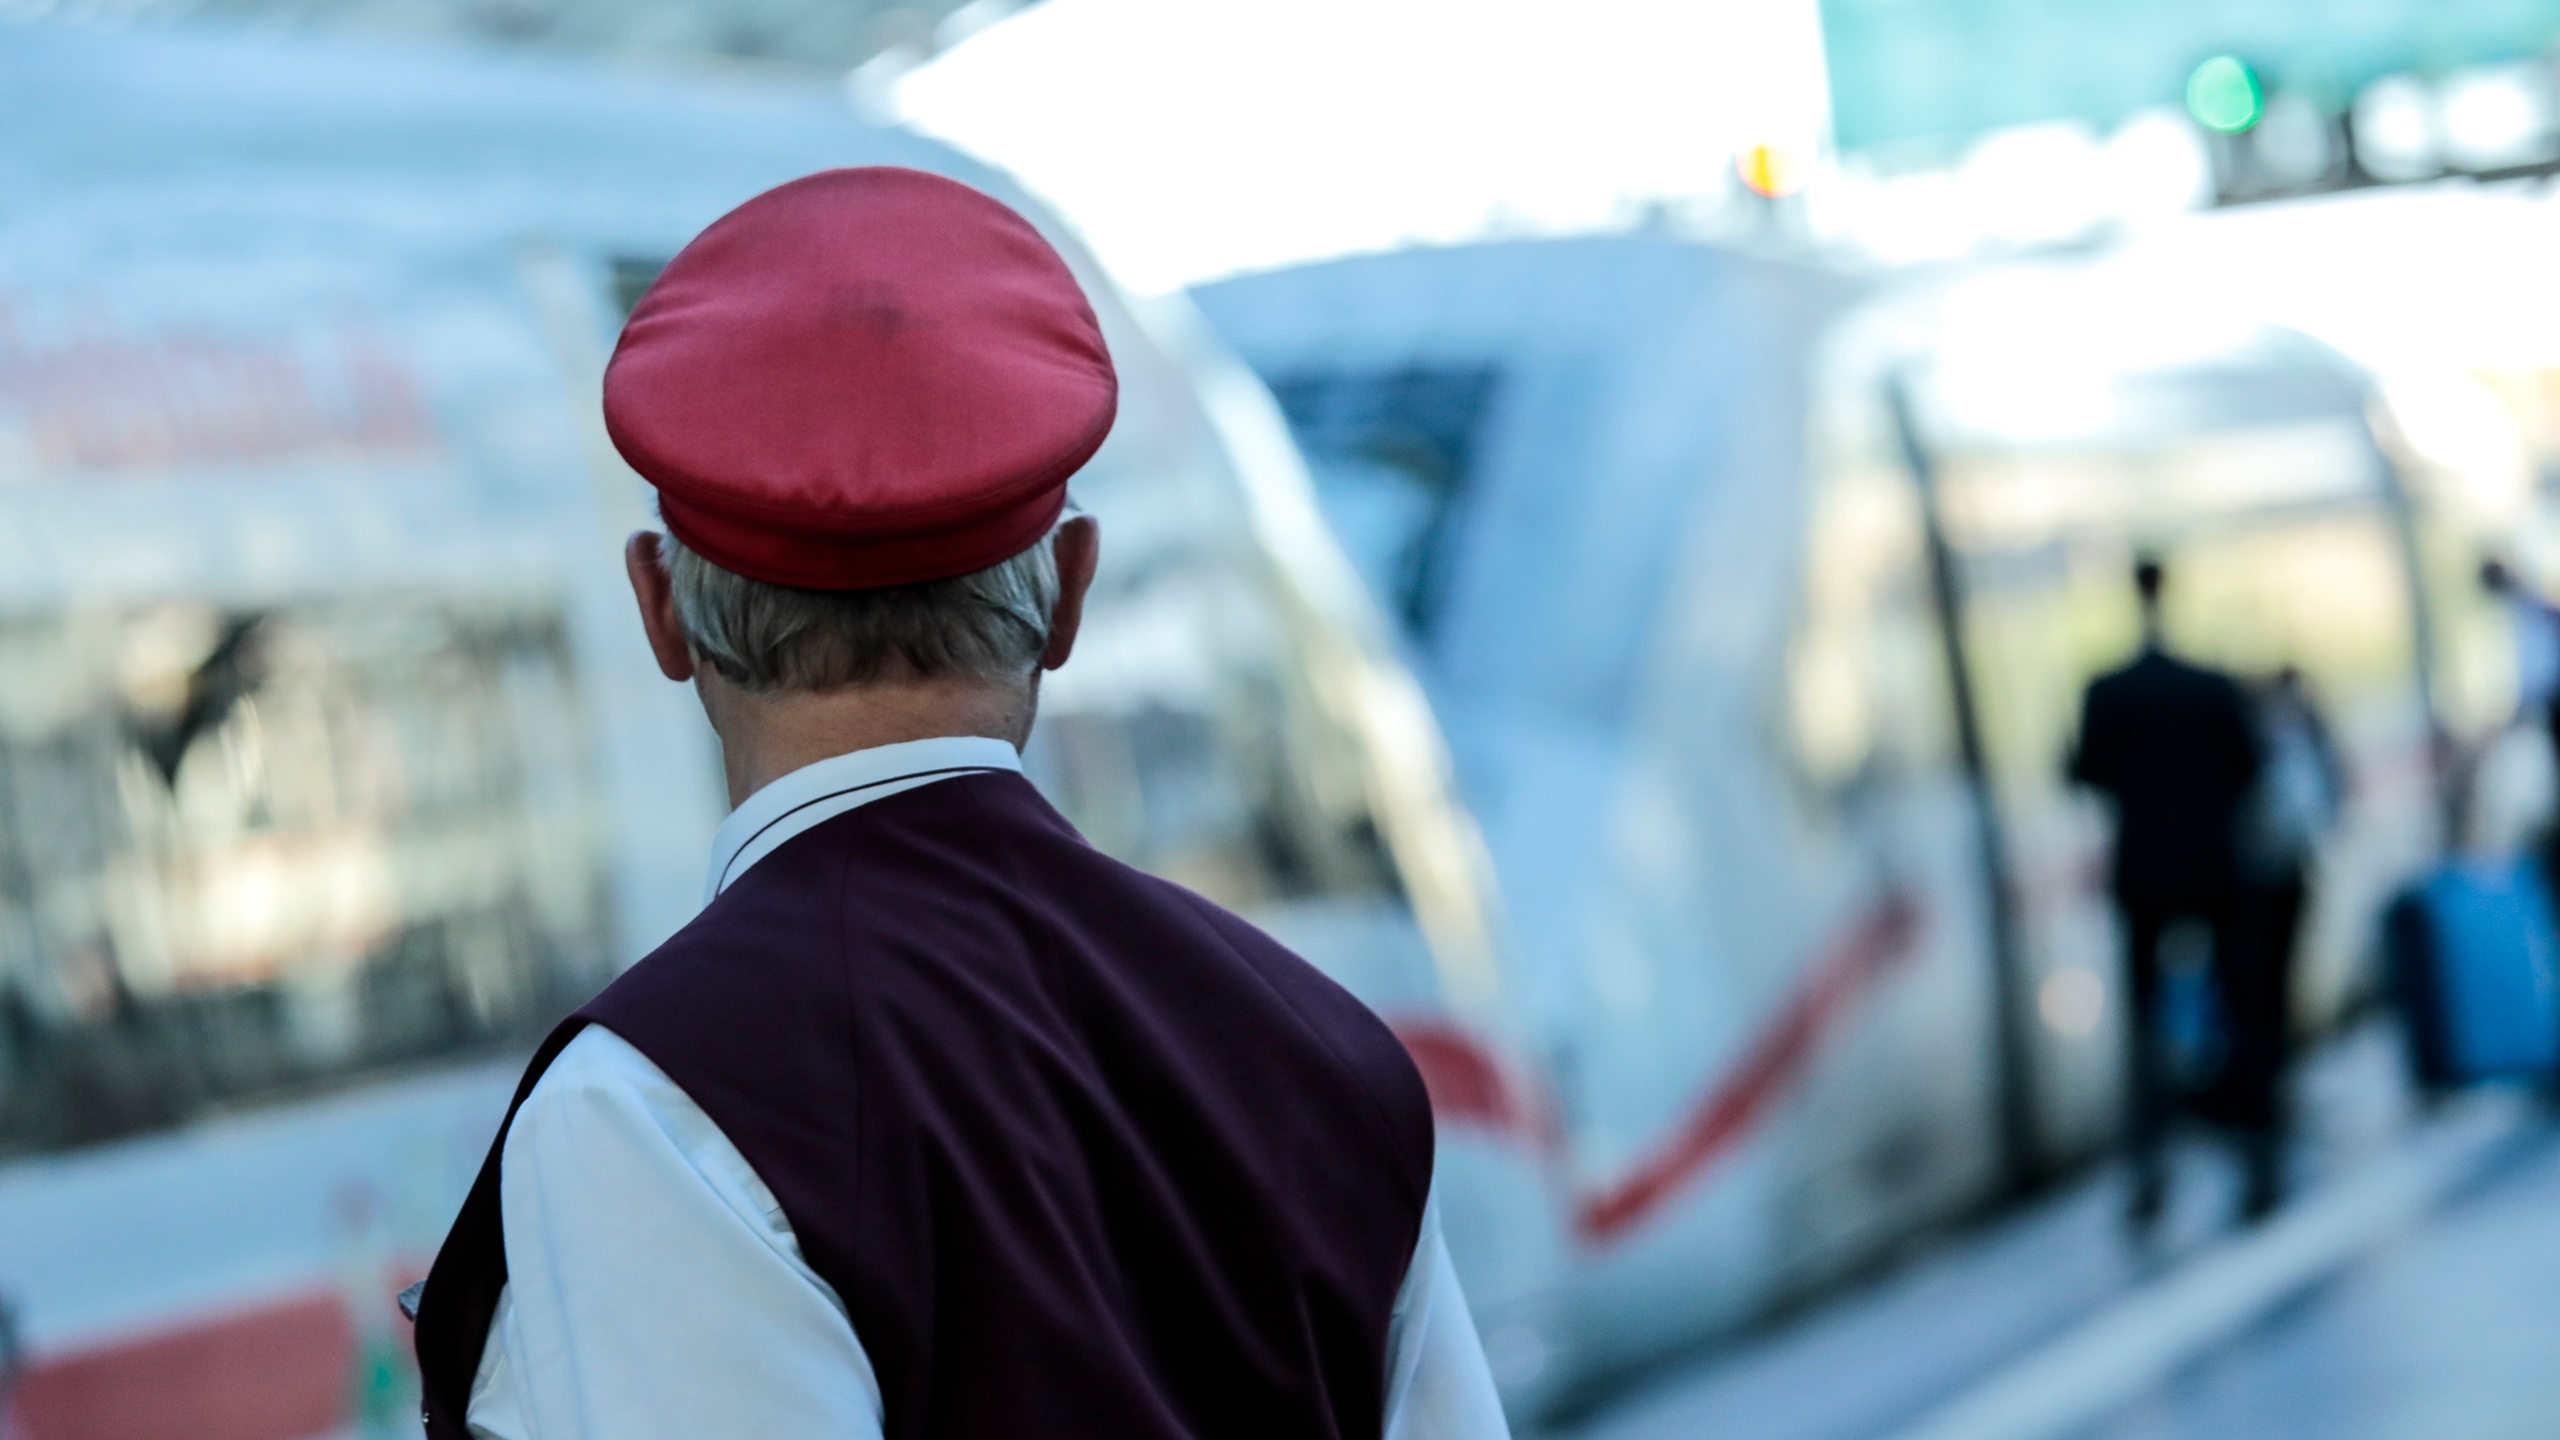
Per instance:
x=2172, y=744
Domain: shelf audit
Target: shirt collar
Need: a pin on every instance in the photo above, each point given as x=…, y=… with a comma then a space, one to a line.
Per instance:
x=821, y=791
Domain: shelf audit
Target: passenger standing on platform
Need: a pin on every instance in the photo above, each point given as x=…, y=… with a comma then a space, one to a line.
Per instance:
x=2295, y=803
x=936, y=1122
x=2173, y=746
x=2537, y=641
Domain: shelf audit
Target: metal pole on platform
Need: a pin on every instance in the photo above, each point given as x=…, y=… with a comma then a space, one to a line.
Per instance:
x=2021, y=1153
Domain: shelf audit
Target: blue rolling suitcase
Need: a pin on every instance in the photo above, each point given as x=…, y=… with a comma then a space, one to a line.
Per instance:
x=2475, y=957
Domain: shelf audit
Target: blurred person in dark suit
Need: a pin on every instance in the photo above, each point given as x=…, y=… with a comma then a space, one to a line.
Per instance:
x=2174, y=747
x=2537, y=650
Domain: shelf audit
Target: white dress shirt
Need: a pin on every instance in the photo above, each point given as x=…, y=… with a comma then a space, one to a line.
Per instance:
x=655, y=1288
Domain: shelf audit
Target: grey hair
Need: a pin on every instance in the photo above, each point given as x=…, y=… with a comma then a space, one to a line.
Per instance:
x=989, y=624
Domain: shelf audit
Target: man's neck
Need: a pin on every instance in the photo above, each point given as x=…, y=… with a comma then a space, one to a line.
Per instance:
x=765, y=736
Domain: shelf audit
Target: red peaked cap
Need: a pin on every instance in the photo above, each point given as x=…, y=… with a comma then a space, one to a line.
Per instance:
x=861, y=378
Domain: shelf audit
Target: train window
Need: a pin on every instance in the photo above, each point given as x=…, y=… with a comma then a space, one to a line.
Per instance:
x=1392, y=452
x=252, y=851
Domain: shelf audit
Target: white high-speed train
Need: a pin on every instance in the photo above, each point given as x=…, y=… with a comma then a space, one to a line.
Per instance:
x=1756, y=605
x=332, y=768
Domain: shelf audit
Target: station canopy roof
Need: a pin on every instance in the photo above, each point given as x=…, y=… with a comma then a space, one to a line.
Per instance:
x=1938, y=72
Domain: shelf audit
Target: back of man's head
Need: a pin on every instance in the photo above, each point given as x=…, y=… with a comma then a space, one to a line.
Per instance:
x=2148, y=576
x=989, y=624
x=860, y=396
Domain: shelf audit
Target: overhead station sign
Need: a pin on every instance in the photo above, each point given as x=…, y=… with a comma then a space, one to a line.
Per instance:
x=1927, y=74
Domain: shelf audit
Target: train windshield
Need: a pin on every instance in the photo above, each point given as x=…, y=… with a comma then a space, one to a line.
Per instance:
x=1393, y=452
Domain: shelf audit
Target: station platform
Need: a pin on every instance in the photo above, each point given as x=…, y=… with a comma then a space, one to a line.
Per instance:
x=2409, y=1291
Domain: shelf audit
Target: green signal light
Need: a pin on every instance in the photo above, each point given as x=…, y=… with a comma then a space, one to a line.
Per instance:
x=2224, y=94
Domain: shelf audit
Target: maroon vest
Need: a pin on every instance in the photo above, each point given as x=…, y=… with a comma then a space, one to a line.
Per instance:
x=1084, y=1154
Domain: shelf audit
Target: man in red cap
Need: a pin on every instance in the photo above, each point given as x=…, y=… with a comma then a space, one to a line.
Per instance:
x=936, y=1121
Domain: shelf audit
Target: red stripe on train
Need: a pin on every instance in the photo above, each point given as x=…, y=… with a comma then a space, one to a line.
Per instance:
x=1470, y=1087
x=276, y=1371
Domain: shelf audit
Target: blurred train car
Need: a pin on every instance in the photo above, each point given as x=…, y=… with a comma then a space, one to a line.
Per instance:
x=1756, y=603
x=331, y=765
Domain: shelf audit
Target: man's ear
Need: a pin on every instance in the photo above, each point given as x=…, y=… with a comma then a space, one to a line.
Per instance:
x=645, y=561
x=1079, y=554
